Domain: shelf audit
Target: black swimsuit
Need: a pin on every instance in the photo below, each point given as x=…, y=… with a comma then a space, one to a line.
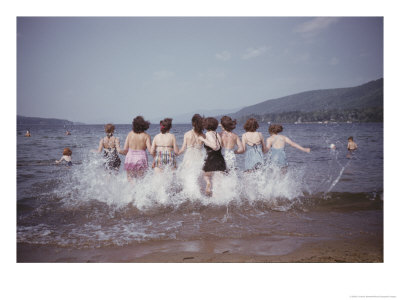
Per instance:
x=214, y=160
x=112, y=159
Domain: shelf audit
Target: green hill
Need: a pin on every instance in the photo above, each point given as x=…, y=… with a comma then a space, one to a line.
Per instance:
x=362, y=103
x=22, y=120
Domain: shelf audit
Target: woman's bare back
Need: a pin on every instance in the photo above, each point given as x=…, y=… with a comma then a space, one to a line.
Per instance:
x=165, y=140
x=137, y=141
x=192, y=140
x=229, y=139
x=252, y=138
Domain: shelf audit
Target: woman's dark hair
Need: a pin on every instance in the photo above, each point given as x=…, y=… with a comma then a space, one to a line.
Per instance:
x=210, y=123
x=140, y=125
x=109, y=128
x=251, y=125
x=165, y=125
x=197, y=123
x=67, y=152
x=350, y=138
x=275, y=128
x=228, y=123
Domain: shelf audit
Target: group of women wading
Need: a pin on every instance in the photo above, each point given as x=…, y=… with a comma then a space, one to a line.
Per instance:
x=164, y=148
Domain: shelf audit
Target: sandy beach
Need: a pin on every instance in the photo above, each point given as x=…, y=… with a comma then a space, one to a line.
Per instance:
x=365, y=248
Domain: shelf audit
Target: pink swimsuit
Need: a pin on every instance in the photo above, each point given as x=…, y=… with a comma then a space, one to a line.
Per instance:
x=135, y=160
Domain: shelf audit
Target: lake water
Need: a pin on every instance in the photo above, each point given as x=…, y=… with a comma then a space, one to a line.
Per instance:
x=324, y=195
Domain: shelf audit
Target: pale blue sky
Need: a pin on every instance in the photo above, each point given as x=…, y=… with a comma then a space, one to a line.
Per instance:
x=98, y=70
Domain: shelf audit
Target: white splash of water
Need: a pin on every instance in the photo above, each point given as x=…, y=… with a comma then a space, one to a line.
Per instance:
x=89, y=181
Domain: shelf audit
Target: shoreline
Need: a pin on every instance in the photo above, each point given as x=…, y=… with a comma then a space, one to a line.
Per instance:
x=363, y=249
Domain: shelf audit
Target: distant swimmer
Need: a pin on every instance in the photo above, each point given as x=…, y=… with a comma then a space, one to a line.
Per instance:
x=66, y=156
x=28, y=133
x=332, y=146
x=276, y=146
x=229, y=141
x=67, y=132
x=351, y=146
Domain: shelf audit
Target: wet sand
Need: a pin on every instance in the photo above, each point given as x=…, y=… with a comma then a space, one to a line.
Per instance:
x=367, y=248
x=349, y=251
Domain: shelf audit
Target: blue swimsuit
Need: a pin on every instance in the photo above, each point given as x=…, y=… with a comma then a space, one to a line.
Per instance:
x=254, y=157
x=277, y=157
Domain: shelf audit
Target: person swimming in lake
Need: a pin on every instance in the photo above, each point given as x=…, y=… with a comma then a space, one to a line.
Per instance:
x=254, y=142
x=214, y=161
x=229, y=141
x=164, y=147
x=136, y=143
x=28, y=133
x=111, y=147
x=276, y=147
x=67, y=153
x=351, y=146
x=67, y=132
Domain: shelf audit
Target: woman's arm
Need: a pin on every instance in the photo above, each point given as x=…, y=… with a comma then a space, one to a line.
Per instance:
x=184, y=145
x=100, y=146
x=126, y=146
x=293, y=144
x=176, y=149
x=244, y=142
x=264, y=148
x=150, y=146
x=117, y=146
x=209, y=141
x=153, y=146
x=239, y=144
x=269, y=144
x=61, y=159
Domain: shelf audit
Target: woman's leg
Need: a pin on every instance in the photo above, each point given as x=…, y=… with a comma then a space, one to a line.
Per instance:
x=207, y=178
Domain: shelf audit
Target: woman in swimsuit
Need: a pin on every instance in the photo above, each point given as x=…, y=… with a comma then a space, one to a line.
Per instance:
x=192, y=144
x=190, y=169
x=135, y=147
x=229, y=141
x=164, y=147
x=67, y=153
x=254, y=142
x=276, y=147
x=214, y=160
x=111, y=147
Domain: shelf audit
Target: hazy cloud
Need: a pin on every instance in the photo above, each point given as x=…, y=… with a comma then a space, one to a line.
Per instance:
x=334, y=61
x=314, y=26
x=254, y=52
x=163, y=74
x=212, y=75
x=224, y=56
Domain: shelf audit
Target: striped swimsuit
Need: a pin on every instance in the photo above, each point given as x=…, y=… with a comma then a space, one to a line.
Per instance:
x=165, y=158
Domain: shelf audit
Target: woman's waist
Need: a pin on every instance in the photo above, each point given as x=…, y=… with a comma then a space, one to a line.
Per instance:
x=136, y=151
x=277, y=149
